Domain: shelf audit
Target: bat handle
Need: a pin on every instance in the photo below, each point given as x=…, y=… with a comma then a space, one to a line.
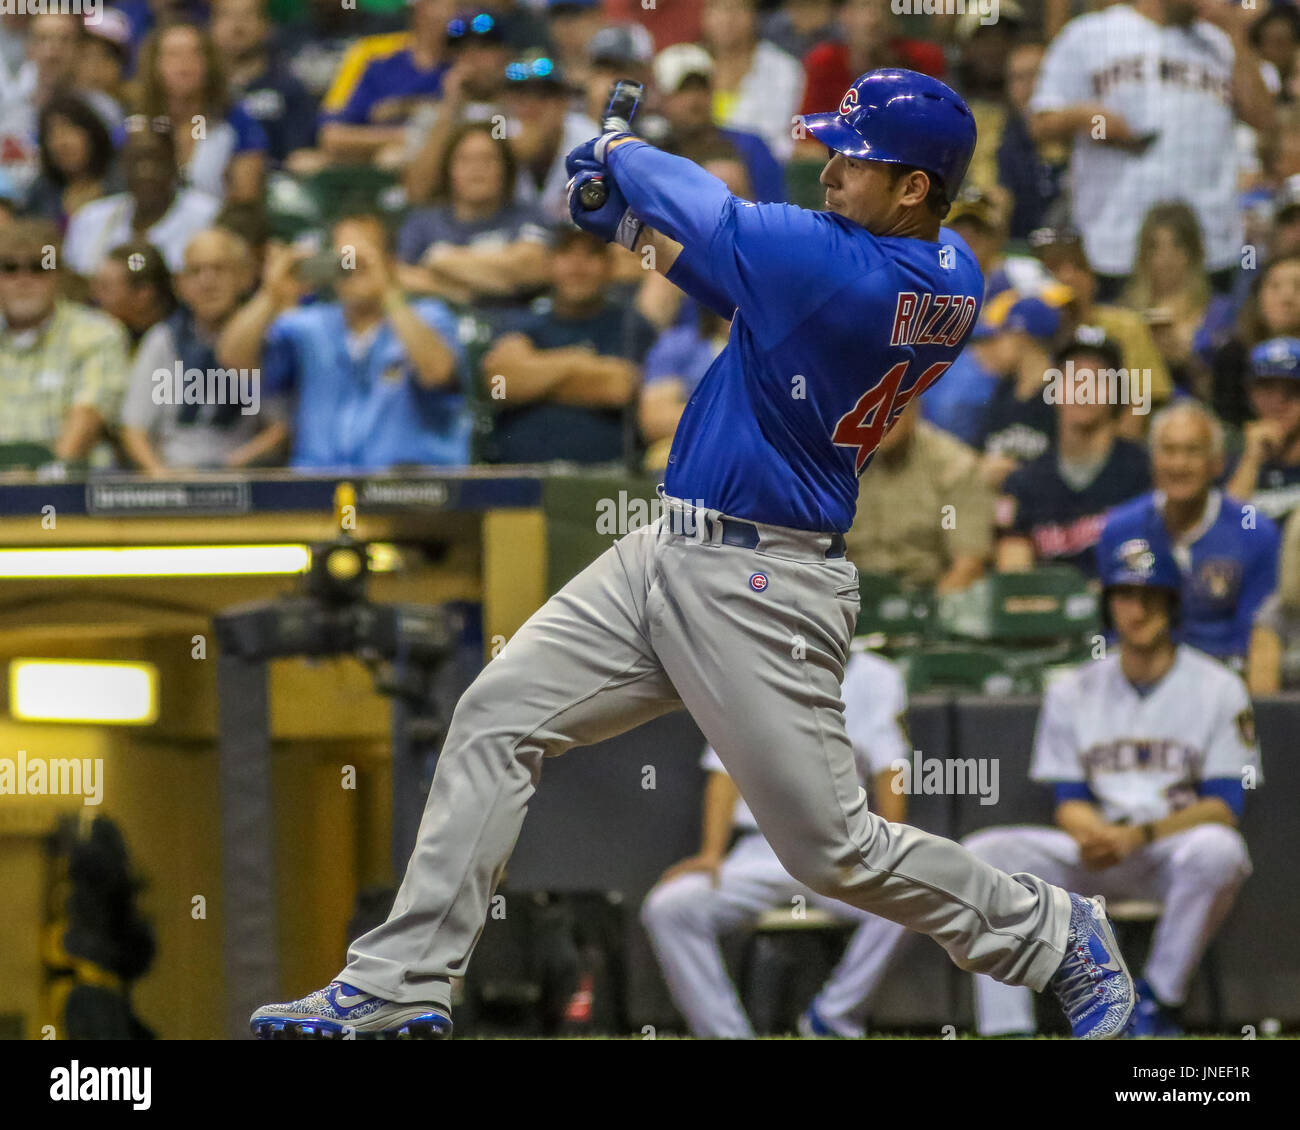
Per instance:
x=595, y=192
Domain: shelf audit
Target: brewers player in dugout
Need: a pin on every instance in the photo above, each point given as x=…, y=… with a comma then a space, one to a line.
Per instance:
x=738, y=603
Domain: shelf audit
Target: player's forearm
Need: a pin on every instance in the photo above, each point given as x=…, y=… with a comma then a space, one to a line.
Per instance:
x=1207, y=810
x=888, y=800
x=135, y=441
x=263, y=449
x=1245, y=478
x=1264, y=663
x=720, y=796
x=1079, y=818
x=670, y=194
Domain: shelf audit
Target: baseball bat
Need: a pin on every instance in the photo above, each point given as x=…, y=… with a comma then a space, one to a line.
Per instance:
x=624, y=97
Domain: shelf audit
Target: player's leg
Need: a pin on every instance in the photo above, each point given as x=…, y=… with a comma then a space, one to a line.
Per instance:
x=1196, y=874
x=760, y=671
x=841, y=1005
x=759, y=665
x=578, y=671
x=686, y=916
x=1053, y=856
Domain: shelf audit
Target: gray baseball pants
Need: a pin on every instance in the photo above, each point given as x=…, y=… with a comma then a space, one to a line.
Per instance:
x=751, y=641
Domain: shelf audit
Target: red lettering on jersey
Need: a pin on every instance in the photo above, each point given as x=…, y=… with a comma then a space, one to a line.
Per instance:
x=919, y=320
x=864, y=425
x=903, y=313
x=941, y=304
x=963, y=323
x=944, y=332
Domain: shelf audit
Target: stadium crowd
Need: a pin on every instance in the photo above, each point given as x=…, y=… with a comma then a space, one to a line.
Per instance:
x=1138, y=224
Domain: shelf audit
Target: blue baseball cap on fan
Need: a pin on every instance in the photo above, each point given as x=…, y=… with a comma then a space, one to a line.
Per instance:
x=1276, y=358
x=1034, y=317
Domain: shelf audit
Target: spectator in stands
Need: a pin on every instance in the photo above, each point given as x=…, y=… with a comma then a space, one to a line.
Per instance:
x=1272, y=310
x=472, y=92
x=868, y=39
x=380, y=84
x=327, y=46
x=376, y=379
x=570, y=24
x=985, y=47
x=220, y=148
x=684, y=78
x=1274, y=662
x=674, y=368
x=257, y=77
x=797, y=26
x=182, y=410
x=544, y=131
x=475, y=244
x=1169, y=288
x=756, y=85
x=1161, y=133
x=927, y=518
x=1032, y=173
x=63, y=364
x=1147, y=749
x=154, y=206
x=1147, y=150
x=77, y=160
x=618, y=52
x=134, y=286
x=1275, y=37
x=1052, y=510
x=563, y=382
x=105, y=54
x=1226, y=554
x=1267, y=475
x=957, y=403
x=1061, y=252
x=1018, y=423
x=53, y=46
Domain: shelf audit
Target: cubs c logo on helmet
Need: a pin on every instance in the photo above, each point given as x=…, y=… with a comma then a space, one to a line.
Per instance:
x=850, y=101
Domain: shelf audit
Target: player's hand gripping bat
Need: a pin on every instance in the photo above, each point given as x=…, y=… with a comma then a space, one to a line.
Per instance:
x=624, y=98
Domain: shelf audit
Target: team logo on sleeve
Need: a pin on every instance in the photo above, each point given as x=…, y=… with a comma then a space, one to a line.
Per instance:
x=758, y=582
x=1246, y=726
x=849, y=102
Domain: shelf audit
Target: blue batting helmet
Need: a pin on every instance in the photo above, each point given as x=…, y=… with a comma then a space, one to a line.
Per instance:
x=1140, y=561
x=903, y=118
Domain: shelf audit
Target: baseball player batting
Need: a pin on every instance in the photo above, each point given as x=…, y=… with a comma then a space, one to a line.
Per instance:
x=739, y=604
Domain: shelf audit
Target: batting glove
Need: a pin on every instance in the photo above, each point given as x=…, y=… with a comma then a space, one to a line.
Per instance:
x=591, y=152
x=614, y=221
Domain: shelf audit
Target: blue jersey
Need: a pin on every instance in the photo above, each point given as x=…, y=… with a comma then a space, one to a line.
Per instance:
x=1229, y=567
x=835, y=331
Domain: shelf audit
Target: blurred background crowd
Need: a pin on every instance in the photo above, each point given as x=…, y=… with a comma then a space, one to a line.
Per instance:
x=330, y=235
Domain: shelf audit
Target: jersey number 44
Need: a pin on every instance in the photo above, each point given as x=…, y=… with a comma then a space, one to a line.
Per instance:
x=864, y=425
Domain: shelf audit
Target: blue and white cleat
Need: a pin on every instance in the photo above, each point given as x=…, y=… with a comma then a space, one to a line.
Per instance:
x=812, y=1027
x=341, y=1012
x=1150, y=1017
x=1093, y=983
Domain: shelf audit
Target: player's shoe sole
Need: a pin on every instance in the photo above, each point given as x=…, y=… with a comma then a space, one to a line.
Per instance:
x=1093, y=983
x=340, y=1012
